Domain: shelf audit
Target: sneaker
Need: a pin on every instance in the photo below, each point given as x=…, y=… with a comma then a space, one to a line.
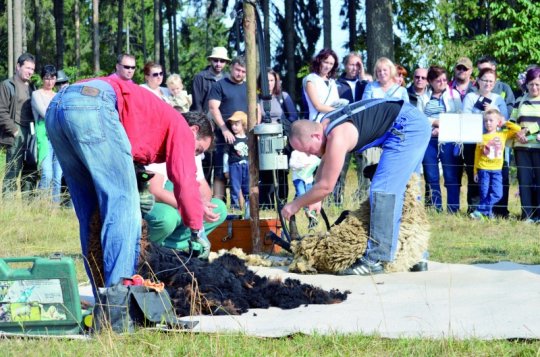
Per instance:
x=420, y=266
x=363, y=266
x=477, y=215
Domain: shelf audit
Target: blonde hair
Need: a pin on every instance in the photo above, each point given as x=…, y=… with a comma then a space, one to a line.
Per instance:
x=495, y=112
x=383, y=61
x=174, y=79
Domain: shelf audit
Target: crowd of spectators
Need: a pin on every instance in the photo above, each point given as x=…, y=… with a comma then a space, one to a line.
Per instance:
x=219, y=91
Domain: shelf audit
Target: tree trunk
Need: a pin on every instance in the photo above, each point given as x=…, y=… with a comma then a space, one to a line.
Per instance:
x=380, y=37
x=11, y=50
x=289, y=46
x=176, y=65
x=58, y=9
x=23, y=26
x=143, y=30
x=17, y=29
x=161, y=41
x=119, y=42
x=353, y=32
x=251, y=81
x=265, y=4
x=327, y=24
x=95, y=24
x=37, y=30
x=157, y=30
x=169, y=18
x=77, y=15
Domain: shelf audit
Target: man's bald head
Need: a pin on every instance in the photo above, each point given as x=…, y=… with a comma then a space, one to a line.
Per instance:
x=301, y=130
x=306, y=136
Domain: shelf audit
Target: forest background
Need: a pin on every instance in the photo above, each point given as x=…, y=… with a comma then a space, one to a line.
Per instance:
x=84, y=36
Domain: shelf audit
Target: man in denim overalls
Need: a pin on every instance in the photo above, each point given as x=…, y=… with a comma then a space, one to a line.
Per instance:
x=401, y=130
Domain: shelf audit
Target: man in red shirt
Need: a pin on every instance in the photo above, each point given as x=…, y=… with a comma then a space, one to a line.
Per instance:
x=99, y=128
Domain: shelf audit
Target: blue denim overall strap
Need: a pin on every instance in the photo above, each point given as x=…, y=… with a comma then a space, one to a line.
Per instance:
x=85, y=131
x=343, y=114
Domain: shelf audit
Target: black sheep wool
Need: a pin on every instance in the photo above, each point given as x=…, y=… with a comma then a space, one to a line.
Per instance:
x=225, y=286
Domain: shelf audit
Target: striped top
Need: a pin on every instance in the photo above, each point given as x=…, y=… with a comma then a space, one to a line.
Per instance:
x=526, y=113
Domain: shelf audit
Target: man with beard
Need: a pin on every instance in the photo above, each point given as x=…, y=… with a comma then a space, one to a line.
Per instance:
x=227, y=96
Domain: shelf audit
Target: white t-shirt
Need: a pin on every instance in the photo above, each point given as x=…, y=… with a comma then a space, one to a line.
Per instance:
x=327, y=93
x=161, y=168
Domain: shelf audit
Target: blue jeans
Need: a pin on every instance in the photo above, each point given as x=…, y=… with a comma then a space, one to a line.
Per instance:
x=403, y=147
x=452, y=165
x=491, y=190
x=301, y=187
x=51, y=174
x=239, y=181
x=430, y=163
x=95, y=154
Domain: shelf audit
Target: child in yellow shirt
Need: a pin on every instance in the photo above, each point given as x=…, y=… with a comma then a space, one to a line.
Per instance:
x=488, y=161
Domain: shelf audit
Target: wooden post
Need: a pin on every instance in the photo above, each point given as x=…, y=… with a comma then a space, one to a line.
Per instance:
x=251, y=81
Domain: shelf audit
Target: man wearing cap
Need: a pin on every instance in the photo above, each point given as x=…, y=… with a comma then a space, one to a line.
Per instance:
x=462, y=77
x=463, y=84
x=203, y=81
x=227, y=96
x=62, y=80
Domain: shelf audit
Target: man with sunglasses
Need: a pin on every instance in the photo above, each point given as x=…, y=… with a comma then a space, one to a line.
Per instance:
x=418, y=92
x=462, y=77
x=125, y=67
x=203, y=81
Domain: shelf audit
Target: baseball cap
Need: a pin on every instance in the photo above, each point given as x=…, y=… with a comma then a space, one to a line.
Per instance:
x=239, y=116
x=464, y=61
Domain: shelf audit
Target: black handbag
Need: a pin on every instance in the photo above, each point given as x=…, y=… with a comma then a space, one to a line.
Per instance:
x=30, y=155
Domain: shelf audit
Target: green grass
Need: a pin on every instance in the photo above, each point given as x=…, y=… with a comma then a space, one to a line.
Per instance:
x=144, y=343
x=35, y=228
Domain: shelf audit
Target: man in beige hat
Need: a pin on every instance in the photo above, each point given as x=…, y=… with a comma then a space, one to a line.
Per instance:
x=203, y=81
x=462, y=77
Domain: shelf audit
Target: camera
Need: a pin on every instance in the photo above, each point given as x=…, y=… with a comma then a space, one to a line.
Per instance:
x=481, y=102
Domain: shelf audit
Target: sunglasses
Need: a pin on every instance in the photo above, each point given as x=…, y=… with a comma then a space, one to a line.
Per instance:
x=156, y=74
x=420, y=77
x=128, y=67
x=462, y=68
x=218, y=60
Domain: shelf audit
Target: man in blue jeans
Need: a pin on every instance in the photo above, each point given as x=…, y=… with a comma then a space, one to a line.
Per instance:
x=403, y=133
x=98, y=129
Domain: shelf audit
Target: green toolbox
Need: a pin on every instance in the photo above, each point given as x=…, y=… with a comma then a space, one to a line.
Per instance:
x=39, y=296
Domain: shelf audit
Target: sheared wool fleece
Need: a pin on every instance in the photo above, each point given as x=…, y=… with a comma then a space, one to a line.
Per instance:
x=336, y=250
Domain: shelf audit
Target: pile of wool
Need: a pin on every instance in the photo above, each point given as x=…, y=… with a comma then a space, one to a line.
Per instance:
x=337, y=249
x=225, y=285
